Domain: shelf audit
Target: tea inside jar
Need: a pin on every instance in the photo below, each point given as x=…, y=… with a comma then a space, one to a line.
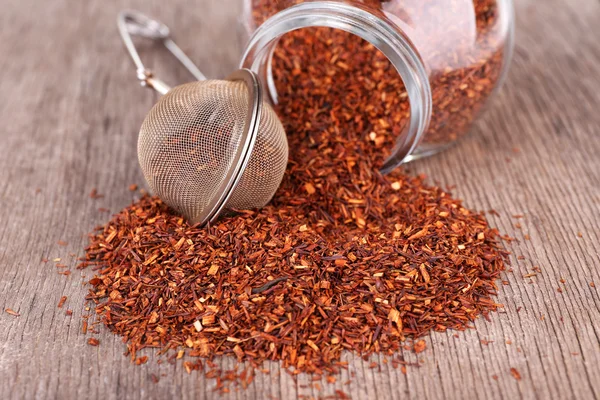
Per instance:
x=461, y=45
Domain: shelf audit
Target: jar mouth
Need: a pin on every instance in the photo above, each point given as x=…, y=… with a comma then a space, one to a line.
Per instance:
x=387, y=38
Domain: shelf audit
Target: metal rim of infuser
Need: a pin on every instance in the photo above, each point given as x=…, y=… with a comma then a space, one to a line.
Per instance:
x=244, y=150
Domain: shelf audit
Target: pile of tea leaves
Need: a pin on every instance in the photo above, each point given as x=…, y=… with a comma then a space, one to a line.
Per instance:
x=342, y=259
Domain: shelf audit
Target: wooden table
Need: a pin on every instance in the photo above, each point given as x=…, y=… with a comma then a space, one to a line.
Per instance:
x=69, y=112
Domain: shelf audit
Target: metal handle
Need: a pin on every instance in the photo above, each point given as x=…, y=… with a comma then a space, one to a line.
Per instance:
x=133, y=22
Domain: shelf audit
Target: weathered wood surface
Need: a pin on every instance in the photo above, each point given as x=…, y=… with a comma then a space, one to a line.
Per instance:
x=69, y=112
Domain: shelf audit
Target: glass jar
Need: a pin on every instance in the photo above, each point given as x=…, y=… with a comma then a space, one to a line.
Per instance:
x=423, y=68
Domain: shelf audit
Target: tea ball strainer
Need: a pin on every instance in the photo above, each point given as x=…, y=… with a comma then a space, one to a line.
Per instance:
x=208, y=145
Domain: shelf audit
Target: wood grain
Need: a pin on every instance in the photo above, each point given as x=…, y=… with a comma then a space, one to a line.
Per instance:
x=69, y=112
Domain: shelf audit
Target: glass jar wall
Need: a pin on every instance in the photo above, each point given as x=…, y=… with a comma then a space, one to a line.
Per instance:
x=410, y=75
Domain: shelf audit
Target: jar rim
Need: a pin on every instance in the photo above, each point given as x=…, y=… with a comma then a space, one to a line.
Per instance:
x=381, y=33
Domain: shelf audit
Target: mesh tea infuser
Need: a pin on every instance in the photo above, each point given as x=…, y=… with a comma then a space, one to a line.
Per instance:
x=208, y=145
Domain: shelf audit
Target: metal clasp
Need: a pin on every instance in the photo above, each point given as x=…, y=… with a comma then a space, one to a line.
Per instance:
x=131, y=22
